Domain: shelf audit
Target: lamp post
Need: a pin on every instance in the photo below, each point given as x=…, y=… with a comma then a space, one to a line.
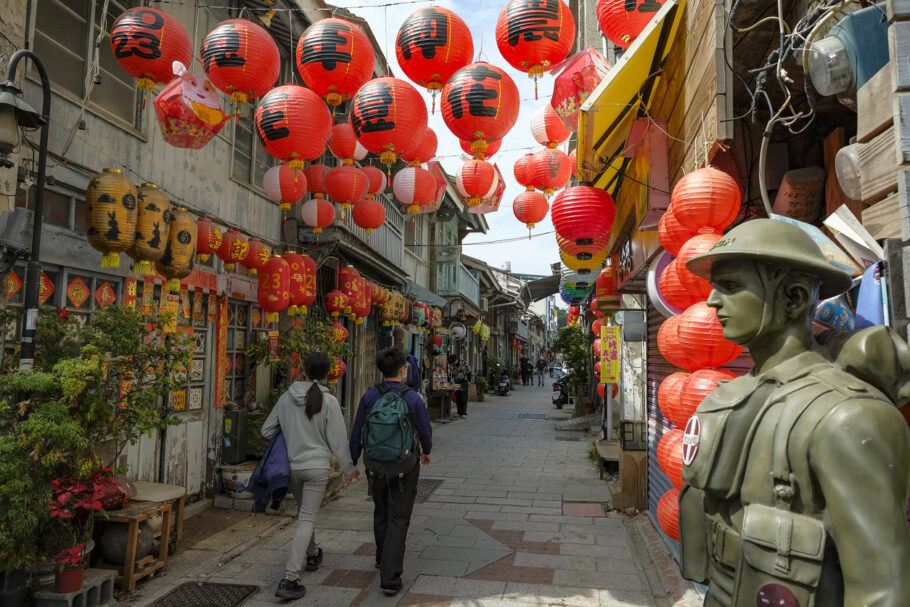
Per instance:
x=14, y=110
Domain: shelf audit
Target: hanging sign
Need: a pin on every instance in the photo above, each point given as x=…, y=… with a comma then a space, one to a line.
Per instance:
x=197, y=305
x=273, y=346
x=130, y=292
x=148, y=295
x=609, y=355
x=185, y=301
x=13, y=284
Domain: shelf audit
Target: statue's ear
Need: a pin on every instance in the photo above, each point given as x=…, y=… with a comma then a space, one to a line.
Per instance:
x=799, y=296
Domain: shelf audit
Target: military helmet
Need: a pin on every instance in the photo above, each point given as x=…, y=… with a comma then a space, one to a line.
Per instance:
x=775, y=242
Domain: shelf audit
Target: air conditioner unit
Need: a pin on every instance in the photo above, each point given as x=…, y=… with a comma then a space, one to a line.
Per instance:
x=484, y=303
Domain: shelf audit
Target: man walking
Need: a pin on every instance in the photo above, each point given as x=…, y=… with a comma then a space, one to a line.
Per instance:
x=391, y=451
x=461, y=375
x=541, y=367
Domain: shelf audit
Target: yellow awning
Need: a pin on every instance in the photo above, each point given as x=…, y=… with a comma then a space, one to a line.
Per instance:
x=624, y=95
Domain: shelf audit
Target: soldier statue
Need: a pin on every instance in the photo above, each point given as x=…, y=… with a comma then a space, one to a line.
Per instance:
x=796, y=475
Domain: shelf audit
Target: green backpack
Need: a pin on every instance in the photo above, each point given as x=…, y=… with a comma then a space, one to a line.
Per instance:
x=387, y=433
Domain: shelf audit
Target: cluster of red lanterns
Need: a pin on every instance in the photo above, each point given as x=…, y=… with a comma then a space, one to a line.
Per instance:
x=703, y=203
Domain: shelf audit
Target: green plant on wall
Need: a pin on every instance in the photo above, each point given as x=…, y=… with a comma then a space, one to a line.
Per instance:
x=571, y=343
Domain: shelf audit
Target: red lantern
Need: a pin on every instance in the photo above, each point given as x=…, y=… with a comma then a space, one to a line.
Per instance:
x=582, y=213
x=344, y=144
x=315, y=179
x=234, y=249
x=336, y=302
x=596, y=327
x=425, y=150
x=480, y=104
x=389, y=117
x=369, y=214
x=671, y=233
x=597, y=345
x=573, y=162
x=241, y=59
x=669, y=398
x=414, y=187
x=547, y=127
x=346, y=184
x=698, y=385
x=622, y=22
x=339, y=333
x=317, y=213
x=432, y=44
x=530, y=207
x=284, y=185
x=376, y=178
x=668, y=342
x=492, y=148
x=605, y=285
x=347, y=277
x=301, y=274
x=706, y=198
x=698, y=287
x=583, y=252
x=360, y=306
x=146, y=42
x=668, y=513
x=336, y=371
x=550, y=171
x=435, y=345
x=334, y=58
x=476, y=180
x=522, y=170
x=293, y=124
x=672, y=289
x=535, y=36
x=702, y=337
x=257, y=257
x=669, y=456
x=597, y=369
x=209, y=239
x=274, y=289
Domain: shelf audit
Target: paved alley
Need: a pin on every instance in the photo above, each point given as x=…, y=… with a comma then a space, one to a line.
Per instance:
x=517, y=518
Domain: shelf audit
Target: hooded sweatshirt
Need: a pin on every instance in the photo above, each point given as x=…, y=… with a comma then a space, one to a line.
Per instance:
x=310, y=442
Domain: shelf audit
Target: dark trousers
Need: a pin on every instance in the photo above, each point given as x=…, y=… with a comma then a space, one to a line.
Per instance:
x=461, y=401
x=393, y=498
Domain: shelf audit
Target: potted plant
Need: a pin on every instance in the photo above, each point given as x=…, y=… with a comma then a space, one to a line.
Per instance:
x=482, y=386
x=70, y=569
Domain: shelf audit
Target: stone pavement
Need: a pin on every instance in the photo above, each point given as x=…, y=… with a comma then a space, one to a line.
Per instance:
x=520, y=519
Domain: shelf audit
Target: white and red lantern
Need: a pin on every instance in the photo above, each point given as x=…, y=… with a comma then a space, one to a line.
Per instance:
x=376, y=180
x=547, y=127
x=317, y=213
x=476, y=180
x=315, y=179
x=344, y=144
x=414, y=187
x=241, y=59
x=334, y=58
x=284, y=185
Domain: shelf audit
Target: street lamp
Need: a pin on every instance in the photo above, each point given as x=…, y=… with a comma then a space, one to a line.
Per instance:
x=14, y=111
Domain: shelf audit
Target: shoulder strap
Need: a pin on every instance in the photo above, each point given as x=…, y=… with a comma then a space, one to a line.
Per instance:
x=382, y=387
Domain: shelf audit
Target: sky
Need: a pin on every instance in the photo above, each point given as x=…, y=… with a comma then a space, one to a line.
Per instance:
x=532, y=256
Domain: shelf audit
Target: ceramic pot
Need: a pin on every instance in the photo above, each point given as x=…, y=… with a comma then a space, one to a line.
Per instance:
x=237, y=483
x=113, y=542
x=69, y=580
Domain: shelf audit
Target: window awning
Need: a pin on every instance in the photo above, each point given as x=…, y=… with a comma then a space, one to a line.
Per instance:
x=624, y=95
x=541, y=288
x=424, y=295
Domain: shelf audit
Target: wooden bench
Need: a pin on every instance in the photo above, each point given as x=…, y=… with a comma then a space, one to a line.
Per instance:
x=135, y=513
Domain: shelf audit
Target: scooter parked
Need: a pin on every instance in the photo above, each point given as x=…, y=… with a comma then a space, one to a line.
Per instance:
x=502, y=389
x=560, y=393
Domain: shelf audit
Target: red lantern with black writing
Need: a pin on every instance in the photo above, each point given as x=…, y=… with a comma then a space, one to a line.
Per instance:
x=432, y=44
x=389, y=117
x=550, y=170
x=334, y=58
x=368, y=214
x=315, y=178
x=480, y=104
x=209, y=239
x=241, y=59
x=346, y=184
x=234, y=249
x=317, y=213
x=535, y=36
x=300, y=296
x=336, y=302
x=475, y=180
x=492, y=148
x=344, y=144
x=284, y=185
x=146, y=42
x=582, y=213
x=530, y=207
x=414, y=187
x=257, y=257
x=293, y=124
x=621, y=21
x=424, y=151
x=547, y=127
x=274, y=289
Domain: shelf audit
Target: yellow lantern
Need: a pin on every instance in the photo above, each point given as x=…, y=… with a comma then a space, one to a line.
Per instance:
x=177, y=261
x=152, y=228
x=112, y=200
x=595, y=263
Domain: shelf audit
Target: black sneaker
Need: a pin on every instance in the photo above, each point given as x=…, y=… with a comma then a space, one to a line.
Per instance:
x=290, y=590
x=312, y=562
x=391, y=590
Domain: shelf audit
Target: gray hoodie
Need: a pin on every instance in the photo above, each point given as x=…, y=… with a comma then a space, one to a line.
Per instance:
x=310, y=442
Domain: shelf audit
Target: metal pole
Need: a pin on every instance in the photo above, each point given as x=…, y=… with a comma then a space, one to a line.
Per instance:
x=33, y=275
x=608, y=411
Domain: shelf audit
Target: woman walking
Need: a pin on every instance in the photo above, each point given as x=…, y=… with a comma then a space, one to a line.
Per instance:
x=313, y=429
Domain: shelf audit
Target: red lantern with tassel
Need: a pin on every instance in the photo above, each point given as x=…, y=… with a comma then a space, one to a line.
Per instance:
x=344, y=145
x=475, y=180
x=376, y=179
x=298, y=299
x=480, y=104
x=492, y=148
x=360, y=307
x=535, y=36
x=274, y=289
x=389, y=117
x=669, y=456
x=582, y=213
x=293, y=124
x=257, y=257
x=597, y=369
x=522, y=170
x=347, y=277
x=146, y=42
x=336, y=302
x=699, y=385
x=334, y=58
x=424, y=151
x=698, y=287
x=336, y=371
x=530, y=207
x=315, y=178
x=339, y=333
x=622, y=22
x=369, y=214
x=668, y=342
x=672, y=289
x=241, y=59
x=414, y=187
x=317, y=213
x=669, y=396
x=702, y=337
x=234, y=249
x=668, y=511
x=550, y=170
x=346, y=184
x=432, y=44
x=547, y=127
x=704, y=198
x=209, y=241
x=284, y=185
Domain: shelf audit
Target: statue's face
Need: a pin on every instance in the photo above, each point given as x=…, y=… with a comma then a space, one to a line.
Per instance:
x=739, y=298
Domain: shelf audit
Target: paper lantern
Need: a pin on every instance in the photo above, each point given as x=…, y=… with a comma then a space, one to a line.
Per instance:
x=347, y=283
x=605, y=285
x=376, y=180
x=573, y=162
x=435, y=345
x=336, y=302
x=334, y=58
x=672, y=289
x=177, y=261
x=146, y=42
x=596, y=327
x=530, y=207
x=414, y=186
x=302, y=277
x=336, y=371
x=550, y=171
x=425, y=150
x=360, y=306
x=672, y=234
x=480, y=104
x=209, y=239
x=188, y=110
x=257, y=256
x=234, y=249
x=706, y=198
x=698, y=287
x=579, y=76
x=152, y=228
x=698, y=385
x=547, y=128
x=346, y=184
x=389, y=117
x=317, y=213
x=344, y=144
x=668, y=342
x=535, y=36
x=601, y=390
x=293, y=124
x=621, y=22
x=702, y=337
x=668, y=512
x=369, y=214
x=475, y=180
x=112, y=215
x=284, y=185
x=592, y=263
x=582, y=212
x=522, y=170
x=669, y=456
x=669, y=398
x=316, y=175
x=586, y=251
x=273, y=292
x=339, y=333
x=492, y=148
x=432, y=44
x=241, y=59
